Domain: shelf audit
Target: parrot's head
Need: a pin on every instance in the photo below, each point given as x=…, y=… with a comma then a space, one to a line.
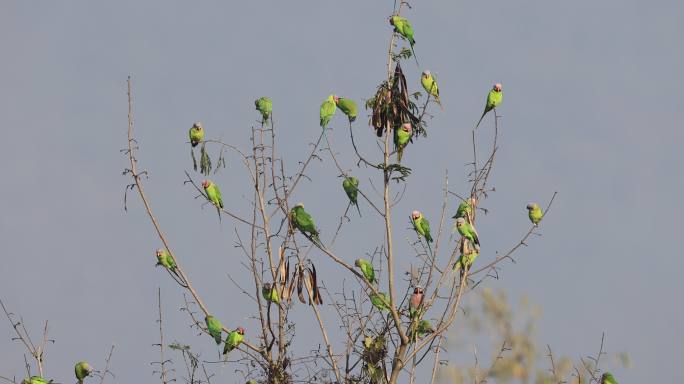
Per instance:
x=391, y=19
x=415, y=215
x=531, y=206
x=160, y=253
x=418, y=291
x=358, y=263
x=197, y=126
x=426, y=74
x=206, y=184
x=267, y=287
x=86, y=367
x=460, y=221
x=497, y=87
x=607, y=376
x=336, y=99
x=300, y=205
x=240, y=330
x=406, y=127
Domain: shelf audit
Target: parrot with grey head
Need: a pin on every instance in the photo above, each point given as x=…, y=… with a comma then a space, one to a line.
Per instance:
x=265, y=106
x=214, y=195
x=430, y=85
x=234, y=339
x=347, y=106
x=422, y=226
x=494, y=98
x=535, y=213
x=351, y=188
x=196, y=134
x=402, y=136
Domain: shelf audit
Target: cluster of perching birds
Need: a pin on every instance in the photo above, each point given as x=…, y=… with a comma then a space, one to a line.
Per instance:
x=82, y=370
x=302, y=220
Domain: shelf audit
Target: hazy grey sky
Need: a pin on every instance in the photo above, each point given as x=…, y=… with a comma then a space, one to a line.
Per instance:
x=592, y=97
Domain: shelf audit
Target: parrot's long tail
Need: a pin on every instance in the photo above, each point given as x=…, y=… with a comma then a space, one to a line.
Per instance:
x=414, y=55
x=481, y=117
x=357, y=208
x=400, y=153
x=439, y=102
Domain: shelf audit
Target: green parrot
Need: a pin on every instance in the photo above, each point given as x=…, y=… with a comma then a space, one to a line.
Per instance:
x=464, y=209
x=251, y=382
x=196, y=134
x=367, y=270
x=82, y=370
x=234, y=339
x=535, y=213
x=380, y=301
x=265, y=106
x=214, y=327
x=421, y=225
x=607, y=378
x=468, y=231
x=351, y=188
x=304, y=222
x=165, y=260
x=465, y=261
x=35, y=380
x=402, y=136
x=493, y=100
x=327, y=111
x=214, y=195
x=403, y=27
x=430, y=85
x=348, y=106
x=424, y=328
x=270, y=293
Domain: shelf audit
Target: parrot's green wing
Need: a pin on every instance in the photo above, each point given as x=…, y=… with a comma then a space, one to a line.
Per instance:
x=327, y=111
x=218, y=196
x=265, y=106
x=214, y=327
x=348, y=106
x=426, y=229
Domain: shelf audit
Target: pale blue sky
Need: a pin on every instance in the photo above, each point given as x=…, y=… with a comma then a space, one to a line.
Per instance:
x=591, y=111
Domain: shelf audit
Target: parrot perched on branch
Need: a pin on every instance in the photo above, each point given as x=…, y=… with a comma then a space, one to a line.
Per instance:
x=402, y=136
x=494, y=98
x=214, y=328
x=348, y=106
x=380, y=301
x=270, y=293
x=430, y=85
x=421, y=225
x=403, y=27
x=233, y=340
x=214, y=195
x=327, y=111
x=305, y=223
x=416, y=302
x=465, y=209
x=535, y=213
x=82, y=370
x=36, y=380
x=165, y=260
x=367, y=269
x=196, y=134
x=351, y=188
x=468, y=231
x=265, y=106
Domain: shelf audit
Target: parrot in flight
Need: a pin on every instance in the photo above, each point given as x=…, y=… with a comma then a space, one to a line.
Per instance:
x=416, y=302
x=304, y=222
x=403, y=27
x=351, y=188
x=214, y=327
x=265, y=106
x=35, y=380
x=367, y=270
x=348, y=106
x=430, y=85
x=82, y=370
x=214, y=195
x=165, y=260
x=380, y=301
x=234, y=339
x=196, y=134
x=494, y=98
x=607, y=378
x=421, y=225
x=402, y=136
x=468, y=231
x=270, y=293
x=327, y=111
x=535, y=213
